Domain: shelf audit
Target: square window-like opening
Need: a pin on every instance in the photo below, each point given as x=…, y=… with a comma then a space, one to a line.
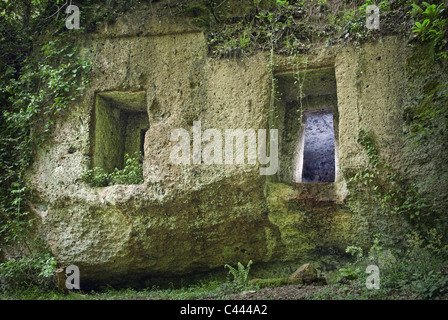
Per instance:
x=120, y=123
x=309, y=124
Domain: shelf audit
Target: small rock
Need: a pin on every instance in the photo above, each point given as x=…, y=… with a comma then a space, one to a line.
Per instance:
x=306, y=272
x=248, y=292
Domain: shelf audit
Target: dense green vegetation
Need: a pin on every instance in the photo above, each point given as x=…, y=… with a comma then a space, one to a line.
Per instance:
x=41, y=74
x=287, y=26
x=132, y=173
x=416, y=271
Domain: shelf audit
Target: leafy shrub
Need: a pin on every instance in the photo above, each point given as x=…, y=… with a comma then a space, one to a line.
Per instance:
x=355, y=251
x=349, y=274
x=33, y=270
x=424, y=264
x=419, y=270
x=432, y=27
x=96, y=177
x=132, y=173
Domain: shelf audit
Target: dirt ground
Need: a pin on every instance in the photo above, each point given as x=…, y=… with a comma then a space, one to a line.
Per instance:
x=291, y=292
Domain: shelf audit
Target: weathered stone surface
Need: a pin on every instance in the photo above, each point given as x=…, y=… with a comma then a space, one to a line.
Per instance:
x=191, y=218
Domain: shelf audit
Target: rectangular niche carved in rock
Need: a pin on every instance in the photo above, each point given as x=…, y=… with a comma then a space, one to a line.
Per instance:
x=308, y=126
x=120, y=122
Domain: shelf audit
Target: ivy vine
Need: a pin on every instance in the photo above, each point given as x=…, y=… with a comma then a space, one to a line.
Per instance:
x=391, y=190
x=42, y=74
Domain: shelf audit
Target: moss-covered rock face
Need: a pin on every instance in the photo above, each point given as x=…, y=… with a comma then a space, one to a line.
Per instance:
x=194, y=218
x=306, y=222
x=425, y=118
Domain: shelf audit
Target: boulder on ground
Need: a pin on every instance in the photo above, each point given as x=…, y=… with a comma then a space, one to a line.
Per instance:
x=307, y=273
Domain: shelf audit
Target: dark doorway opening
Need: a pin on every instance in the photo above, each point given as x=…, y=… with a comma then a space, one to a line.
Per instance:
x=319, y=146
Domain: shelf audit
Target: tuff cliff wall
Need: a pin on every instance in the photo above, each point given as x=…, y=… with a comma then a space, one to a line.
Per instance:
x=193, y=218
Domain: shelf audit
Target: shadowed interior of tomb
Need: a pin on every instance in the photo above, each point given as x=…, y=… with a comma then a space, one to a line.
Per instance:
x=119, y=126
x=318, y=150
x=308, y=115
